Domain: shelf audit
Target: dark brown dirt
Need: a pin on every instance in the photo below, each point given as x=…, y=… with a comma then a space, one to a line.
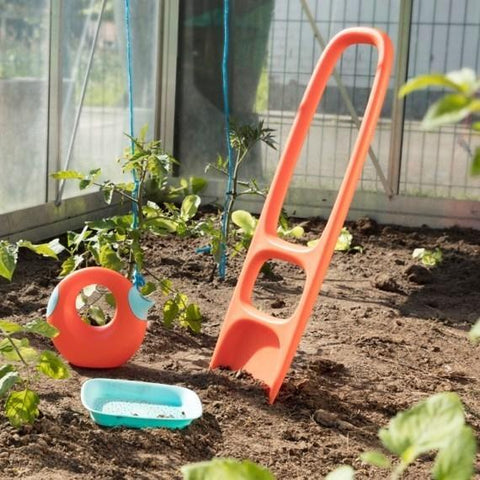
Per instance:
x=384, y=334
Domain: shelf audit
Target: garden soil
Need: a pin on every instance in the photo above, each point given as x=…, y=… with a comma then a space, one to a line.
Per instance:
x=385, y=333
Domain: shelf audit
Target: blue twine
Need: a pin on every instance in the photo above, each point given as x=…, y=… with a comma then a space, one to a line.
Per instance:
x=137, y=278
x=222, y=266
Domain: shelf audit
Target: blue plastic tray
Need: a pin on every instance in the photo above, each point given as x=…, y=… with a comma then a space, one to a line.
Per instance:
x=115, y=403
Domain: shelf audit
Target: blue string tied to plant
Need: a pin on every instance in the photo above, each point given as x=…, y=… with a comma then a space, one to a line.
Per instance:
x=137, y=277
x=222, y=266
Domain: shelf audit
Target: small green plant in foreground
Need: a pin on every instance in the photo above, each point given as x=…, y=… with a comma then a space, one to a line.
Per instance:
x=452, y=107
x=429, y=258
x=435, y=424
x=116, y=243
x=24, y=363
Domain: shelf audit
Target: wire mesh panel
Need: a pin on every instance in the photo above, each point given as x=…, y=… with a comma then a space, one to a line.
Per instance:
x=445, y=36
x=292, y=55
x=24, y=32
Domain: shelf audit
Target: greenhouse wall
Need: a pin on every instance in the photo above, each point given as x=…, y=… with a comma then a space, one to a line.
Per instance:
x=63, y=102
x=423, y=176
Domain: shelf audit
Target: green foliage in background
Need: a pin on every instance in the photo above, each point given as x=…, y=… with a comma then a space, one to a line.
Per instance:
x=9, y=254
x=116, y=244
x=451, y=108
x=23, y=364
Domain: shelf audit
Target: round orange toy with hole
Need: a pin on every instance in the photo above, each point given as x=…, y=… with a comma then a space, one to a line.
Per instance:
x=106, y=346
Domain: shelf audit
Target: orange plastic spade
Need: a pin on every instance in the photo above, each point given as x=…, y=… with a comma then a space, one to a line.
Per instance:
x=250, y=339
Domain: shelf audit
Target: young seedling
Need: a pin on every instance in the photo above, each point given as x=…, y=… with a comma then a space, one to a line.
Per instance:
x=243, y=139
x=429, y=258
x=116, y=243
x=344, y=242
x=23, y=365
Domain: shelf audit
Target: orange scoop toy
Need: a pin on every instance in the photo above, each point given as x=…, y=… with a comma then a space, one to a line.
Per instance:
x=250, y=339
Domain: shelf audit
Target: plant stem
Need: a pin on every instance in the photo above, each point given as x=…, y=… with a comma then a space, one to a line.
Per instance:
x=398, y=471
x=10, y=339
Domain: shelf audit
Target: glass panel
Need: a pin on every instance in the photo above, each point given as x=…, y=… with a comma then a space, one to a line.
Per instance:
x=24, y=37
x=100, y=138
x=273, y=54
x=445, y=36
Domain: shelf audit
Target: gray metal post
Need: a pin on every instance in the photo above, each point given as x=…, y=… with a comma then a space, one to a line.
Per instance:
x=166, y=73
x=54, y=98
x=398, y=112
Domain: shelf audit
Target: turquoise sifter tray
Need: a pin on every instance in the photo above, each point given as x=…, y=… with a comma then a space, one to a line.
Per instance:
x=115, y=403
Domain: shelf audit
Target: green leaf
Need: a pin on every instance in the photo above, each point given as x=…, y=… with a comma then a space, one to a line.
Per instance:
x=52, y=366
x=457, y=460
x=41, y=327
x=148, y=288
x=375, y=458
x=344, y=241
x=161, y=225
x=429, y=80
x=427, y=426
x=22, y=345
x=197, y=184
x=10, y=327
x=109, y=259
x=225, y=469
x=181, y=300
x=448, y=109
x=475, y=167
x=108, y=192
x=170, y=312
x=166, y=286
x=110, y=299
x=344, y=472
x=296, y=232
x=67, y=175
x=429, y=258
x=70, y=264
x=6, y=368
x=8, y=259
x=189, y=207
x=41, y=249
x=474, y=334
x=193, y=318
x=7, y=381
x=476, y=126
x=22, y=407
x=97, y=314
x=246, y=221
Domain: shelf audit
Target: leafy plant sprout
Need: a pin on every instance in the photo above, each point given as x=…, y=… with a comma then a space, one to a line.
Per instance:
x=243, y=139
x=24, y=363
x=117, y=244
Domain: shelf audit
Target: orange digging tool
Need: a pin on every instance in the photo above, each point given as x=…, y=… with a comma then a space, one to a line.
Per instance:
x=251, y=340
